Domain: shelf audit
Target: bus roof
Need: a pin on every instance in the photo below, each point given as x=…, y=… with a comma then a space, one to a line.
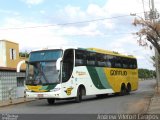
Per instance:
x=55, y=48
x=109, y=52
x=98, y=50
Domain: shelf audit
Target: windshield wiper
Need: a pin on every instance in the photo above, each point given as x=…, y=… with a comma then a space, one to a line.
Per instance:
x=42, y=73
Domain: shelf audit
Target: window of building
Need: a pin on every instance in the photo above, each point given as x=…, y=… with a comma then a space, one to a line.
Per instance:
x=12, y=54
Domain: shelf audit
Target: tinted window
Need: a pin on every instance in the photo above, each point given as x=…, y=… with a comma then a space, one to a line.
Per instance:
x=67, y=66
x=101, y=60
x=88, y=58
x=80, y=58
x=45, y=55
x=91, y=59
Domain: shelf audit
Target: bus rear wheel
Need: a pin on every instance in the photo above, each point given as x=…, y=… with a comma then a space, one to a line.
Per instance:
x=128, y=88
x=123, y=90
x=78, y=98
x=51, y=101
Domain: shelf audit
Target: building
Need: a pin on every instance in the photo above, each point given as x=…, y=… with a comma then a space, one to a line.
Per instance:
x=9, y=54
x=11, y=82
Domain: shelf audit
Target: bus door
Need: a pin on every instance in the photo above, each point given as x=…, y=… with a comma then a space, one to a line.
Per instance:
x=67, y=69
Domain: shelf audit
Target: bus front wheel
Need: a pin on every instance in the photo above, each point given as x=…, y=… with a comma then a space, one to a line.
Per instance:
x=78, y=98
x=51, y=101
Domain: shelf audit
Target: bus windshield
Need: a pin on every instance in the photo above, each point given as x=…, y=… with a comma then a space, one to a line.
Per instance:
x=41, y=68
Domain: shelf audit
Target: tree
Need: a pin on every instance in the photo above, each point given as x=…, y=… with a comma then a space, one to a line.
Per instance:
x=146, y=74
x=149, y=32
x=24, y=54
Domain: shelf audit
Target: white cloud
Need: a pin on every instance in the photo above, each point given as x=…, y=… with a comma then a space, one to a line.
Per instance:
x=95, y=10
x=157, y=5
x=89, y=30
x=12, y=22
x=34, y=38
x=31, y=37
x=73, y=13
x=129, y=46
x=42, y=11
x=114, y=7
x=110, y=9
x=9, y=12
x=33, y=2
x=122, y=43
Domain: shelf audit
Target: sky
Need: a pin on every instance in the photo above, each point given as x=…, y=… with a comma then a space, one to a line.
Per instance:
x=105, y=24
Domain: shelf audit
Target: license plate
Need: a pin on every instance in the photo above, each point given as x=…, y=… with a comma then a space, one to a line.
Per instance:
x=40, y=95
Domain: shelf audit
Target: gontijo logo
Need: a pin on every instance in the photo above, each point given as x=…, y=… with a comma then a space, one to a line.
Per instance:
x=68, y=91
x=118, y=72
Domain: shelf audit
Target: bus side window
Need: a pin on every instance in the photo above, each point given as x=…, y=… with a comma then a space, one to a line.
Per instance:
x=118, y=63
x=80, y=58
x=112, y=60
x=108, y=63
x=91, y=61
x=124, y=63
x=109, y=60
x=101, y=62
x=131, y=64
x=135, y=63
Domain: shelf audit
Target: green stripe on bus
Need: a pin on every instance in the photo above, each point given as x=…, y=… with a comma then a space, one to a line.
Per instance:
x=103, y=77
x=48, y=87
x=95, y=77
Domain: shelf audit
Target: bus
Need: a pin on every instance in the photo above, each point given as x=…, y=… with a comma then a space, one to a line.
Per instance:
x=71, y=73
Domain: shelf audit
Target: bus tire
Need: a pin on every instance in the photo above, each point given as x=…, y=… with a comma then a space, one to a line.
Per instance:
x=51, y=101
x=128, y=88
x=123, y=90
x=78, y=98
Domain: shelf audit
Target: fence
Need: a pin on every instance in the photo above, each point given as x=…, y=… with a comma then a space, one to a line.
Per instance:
x=9, y=85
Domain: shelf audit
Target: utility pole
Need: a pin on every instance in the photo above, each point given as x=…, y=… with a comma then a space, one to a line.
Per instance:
x=153, y=16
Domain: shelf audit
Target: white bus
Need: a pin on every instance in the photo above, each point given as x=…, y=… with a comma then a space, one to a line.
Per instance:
x=54, y=74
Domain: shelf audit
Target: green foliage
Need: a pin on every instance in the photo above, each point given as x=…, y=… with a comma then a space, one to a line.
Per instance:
x=146, y=74
x=24, y=54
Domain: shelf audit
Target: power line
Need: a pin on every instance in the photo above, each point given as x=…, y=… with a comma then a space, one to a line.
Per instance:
x=104, y=35
x=67, y=24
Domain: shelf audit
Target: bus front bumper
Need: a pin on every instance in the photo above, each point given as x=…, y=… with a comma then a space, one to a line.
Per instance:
x=41, y=95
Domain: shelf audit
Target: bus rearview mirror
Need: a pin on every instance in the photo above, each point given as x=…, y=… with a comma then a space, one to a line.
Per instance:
x=19, y=65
